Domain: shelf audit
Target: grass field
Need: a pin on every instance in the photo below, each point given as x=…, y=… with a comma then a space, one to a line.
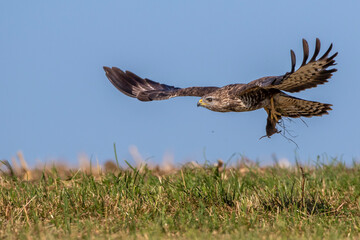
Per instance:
x=207, y=202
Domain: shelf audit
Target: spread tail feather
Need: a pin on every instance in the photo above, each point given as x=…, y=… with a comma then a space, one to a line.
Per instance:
x=289, y=106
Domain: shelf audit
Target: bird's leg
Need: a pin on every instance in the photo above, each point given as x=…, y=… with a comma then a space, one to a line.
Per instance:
x=273, y=112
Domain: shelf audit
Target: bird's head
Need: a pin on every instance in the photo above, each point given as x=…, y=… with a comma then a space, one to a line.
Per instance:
x=213, y=103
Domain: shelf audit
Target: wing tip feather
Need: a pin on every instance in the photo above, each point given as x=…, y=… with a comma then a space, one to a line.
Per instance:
x=306, y=51
x=293, y=60
x=320, y=75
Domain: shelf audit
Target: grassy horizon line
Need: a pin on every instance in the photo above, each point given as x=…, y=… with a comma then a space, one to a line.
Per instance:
x=193, y=201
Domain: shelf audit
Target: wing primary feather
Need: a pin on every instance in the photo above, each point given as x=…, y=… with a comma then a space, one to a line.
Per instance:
x=147, y=90
x=293, y=60
x=122, y=86
x=317, y=50
x=331, y=63
x=326, y=53
x=306, y=51
x=135, y=77
x=309, y=75
x=333, y=56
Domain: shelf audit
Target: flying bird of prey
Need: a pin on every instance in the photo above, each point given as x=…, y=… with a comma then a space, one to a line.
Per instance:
x=266, y=92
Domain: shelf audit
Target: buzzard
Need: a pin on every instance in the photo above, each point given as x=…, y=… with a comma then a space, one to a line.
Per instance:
x=266, y=92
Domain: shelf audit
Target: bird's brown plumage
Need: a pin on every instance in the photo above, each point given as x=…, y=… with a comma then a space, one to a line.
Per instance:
x=266, y=92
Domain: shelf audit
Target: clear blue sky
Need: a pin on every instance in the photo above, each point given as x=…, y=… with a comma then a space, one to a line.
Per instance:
x=55, y=101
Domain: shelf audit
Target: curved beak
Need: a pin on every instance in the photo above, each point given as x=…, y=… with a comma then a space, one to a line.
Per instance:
x=200, y=103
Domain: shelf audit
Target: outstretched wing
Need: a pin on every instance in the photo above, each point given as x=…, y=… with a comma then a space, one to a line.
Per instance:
x=309, y=75
x=146, y=90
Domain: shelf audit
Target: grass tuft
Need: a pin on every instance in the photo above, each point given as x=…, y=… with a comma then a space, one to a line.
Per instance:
x=191, y=202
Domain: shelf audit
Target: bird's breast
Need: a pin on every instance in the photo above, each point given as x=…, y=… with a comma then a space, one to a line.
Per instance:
x=249, y=102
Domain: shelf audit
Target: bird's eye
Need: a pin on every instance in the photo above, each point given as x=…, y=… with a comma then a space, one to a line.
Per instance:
x=209, y=99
